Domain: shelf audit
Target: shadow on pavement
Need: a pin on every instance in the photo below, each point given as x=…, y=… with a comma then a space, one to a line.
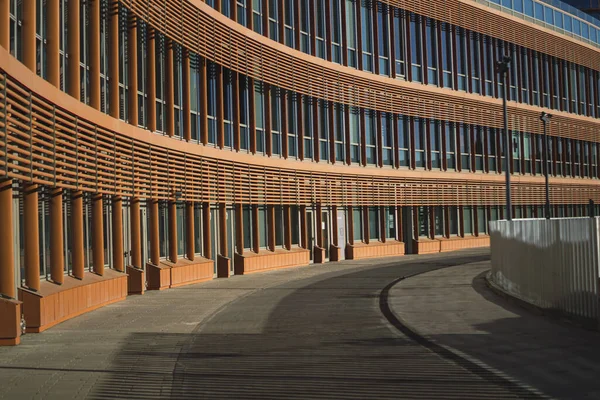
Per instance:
x=321, y=338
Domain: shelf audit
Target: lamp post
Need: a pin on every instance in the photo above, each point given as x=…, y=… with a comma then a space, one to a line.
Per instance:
x=502, y=69
x=545, y=118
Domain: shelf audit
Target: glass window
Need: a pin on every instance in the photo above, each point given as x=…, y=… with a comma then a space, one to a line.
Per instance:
x=374, y=233
x=423, y=221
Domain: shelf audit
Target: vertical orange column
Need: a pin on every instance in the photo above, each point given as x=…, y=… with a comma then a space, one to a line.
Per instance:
x=74, y=86
x=173, y=231
x=117, y=234
x=151, y=78
x=132, y=91
x=169, y=89
x=154, y=245
x=223, y=230
x=77, y=234
x=135, y=232
x=32, y=240
x=7, y=258
x=206, y=230
x=287, y=224
x=97, y=234
x=57, y=255
x=5, y=25
x=185, y=81
x=52, y=42
x=113, y=61
x=94, y=59
x=190, y=242
x=239, y=229
x=28, y=44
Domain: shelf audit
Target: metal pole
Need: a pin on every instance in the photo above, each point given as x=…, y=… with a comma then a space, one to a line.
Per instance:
x=546, y=169
x=507, y=147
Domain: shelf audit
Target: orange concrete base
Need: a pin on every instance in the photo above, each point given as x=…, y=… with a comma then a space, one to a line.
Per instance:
x=335, y=253
x=10, y=342
x=359, y=251
x=185, y=272
x=464, y=243
x=428, y=246
x=53, y=304
x=319, y=255
x=10, y=328
x=223, y=267
x=136, y=280
x=265, y=260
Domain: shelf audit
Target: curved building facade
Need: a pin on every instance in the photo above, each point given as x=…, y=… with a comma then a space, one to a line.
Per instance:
x=155, y=144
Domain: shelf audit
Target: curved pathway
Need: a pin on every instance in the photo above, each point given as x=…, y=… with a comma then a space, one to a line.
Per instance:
x=314, y=332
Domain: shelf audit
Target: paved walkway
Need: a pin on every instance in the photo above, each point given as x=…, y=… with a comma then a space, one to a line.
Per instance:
x=454, y=309
x=317, y=332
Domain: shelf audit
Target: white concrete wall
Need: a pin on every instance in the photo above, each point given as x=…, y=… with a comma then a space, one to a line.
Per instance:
x=552, y=264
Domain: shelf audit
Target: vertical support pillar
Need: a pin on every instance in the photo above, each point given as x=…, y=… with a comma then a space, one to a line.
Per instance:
x=7, y=258
x=28, y=44
x=135, y=233
x=117, y=234
x=52, y=42
x=206, y=230
x=239, y=229
x=187, y=107
x=170, y=89
x=223, y=230
x=271, y=227
x=32, y=242
x=94, y=60
x=77, y=233
x=113, y=61
x=98, y=234
x=5, y=25
x=283, y=104
x=287, y=224
x=132, y=50
x=189, y=226
x=303, y=230
x=73, y=48
x=154, y=245
x=255, y=230
x=57, y=255
x=267, y=119
x=173, y=231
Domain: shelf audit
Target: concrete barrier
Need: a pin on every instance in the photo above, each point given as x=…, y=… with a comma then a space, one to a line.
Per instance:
x=552, y=264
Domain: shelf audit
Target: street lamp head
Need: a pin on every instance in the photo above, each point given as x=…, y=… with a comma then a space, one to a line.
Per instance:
x=545, y=117
x=502, y=66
